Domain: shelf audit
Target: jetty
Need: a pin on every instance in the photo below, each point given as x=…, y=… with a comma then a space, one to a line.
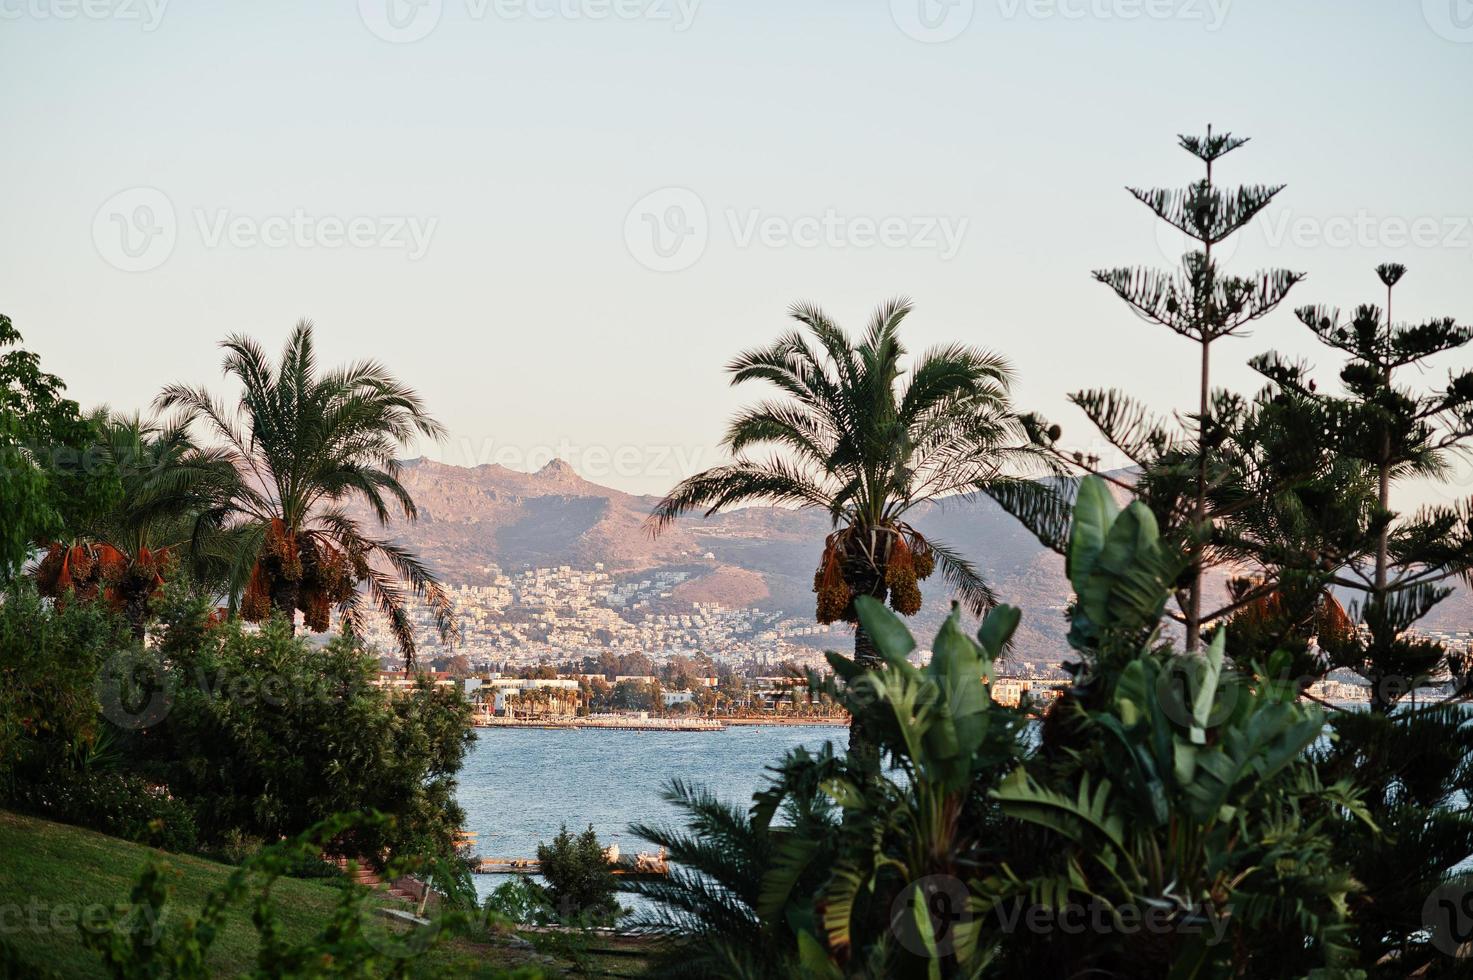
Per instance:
x=642, y=865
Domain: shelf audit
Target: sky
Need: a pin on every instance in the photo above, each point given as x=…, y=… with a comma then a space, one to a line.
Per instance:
x=558, y=219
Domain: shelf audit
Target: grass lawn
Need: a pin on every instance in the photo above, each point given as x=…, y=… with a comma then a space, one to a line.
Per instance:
x=52, y=874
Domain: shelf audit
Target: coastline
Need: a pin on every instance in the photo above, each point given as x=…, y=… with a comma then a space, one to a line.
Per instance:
x=657, y=724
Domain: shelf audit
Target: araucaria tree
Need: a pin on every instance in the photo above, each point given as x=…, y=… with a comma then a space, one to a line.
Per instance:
x=303, y=445
x=1183, y=471
x=856, y=436
x=1394, y=432
x=1416, y=759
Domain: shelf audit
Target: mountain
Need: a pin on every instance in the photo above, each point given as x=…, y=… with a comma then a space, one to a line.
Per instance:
x=474, y=518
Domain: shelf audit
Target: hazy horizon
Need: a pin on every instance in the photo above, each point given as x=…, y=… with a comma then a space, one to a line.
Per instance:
x=558, y=219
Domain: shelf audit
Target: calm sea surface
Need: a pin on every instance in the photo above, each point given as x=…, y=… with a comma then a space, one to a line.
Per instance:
x=520, y=785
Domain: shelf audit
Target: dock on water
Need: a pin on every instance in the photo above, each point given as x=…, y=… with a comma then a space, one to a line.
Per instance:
x=646, y=864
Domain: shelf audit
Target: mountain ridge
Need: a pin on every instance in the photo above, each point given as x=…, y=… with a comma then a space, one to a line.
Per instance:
x=473, y=518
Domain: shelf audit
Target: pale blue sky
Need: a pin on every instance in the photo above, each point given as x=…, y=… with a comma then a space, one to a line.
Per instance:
x=516, y=144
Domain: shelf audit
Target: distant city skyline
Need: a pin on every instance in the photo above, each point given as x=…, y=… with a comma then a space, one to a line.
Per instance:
x=558, y=219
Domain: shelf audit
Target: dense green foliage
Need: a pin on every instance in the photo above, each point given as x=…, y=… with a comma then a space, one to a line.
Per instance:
x=50, y=660
x=1168, y=800
x=217, y=732
x=1392, y=569
x=267, y=734
x=580, y=880
x=45, y=476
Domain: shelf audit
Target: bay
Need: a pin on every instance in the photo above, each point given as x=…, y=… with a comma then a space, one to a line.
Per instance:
x=520, y=785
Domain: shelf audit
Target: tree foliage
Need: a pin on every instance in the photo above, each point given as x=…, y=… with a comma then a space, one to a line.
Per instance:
x=303, y=444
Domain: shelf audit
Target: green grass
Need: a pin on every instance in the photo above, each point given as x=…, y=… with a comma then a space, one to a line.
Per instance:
x=52, y=874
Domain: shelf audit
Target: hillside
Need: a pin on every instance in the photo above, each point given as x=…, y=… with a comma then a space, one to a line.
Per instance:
x=475, y=518
x=57, y=875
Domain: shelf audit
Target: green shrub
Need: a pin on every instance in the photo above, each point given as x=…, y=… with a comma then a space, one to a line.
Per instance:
x=267, y=735
x=520, y=901
x=119, y=804
x=50, y=660
x=580, y=880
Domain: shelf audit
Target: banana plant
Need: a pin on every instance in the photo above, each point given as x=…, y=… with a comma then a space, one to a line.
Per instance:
x=907, y=841
x=1183, y=790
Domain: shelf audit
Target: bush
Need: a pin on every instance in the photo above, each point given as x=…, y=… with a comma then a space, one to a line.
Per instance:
x=580, y=880
x=267, y=735
x=520, y=901
x=115, y=803
x=50, y=660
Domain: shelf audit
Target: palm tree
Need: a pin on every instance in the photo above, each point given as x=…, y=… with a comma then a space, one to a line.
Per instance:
x=303, y=446
x=122, y=554
x=856, y=439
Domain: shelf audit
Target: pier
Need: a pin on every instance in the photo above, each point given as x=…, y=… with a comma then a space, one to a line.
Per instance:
x=644, y=865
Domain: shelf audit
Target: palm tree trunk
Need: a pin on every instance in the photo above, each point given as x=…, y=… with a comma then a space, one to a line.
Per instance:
x=284, y=593
x=135, y=611
x=865, y=579
x=862, y=747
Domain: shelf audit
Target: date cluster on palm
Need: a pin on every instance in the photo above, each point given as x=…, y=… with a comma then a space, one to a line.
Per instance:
x=886, y=563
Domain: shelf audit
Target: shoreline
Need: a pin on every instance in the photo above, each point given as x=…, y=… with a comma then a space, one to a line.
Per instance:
x=659, y=724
